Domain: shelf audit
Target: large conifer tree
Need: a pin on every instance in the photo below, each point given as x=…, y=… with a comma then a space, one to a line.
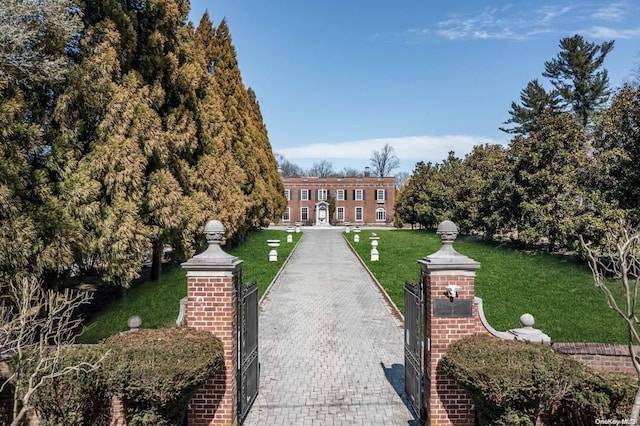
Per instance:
x=249, y=140
x=535, y=100
x=36, y=237
x=578, y=76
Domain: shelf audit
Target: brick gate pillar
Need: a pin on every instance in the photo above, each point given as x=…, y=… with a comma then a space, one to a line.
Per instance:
x=450, y=314
x=212, y=305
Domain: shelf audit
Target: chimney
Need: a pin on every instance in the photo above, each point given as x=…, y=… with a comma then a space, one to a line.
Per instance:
x=367, y=172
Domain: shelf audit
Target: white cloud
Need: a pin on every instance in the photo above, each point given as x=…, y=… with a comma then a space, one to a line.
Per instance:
x=487, y=24
x=513, y=23
x=607, y=33
x=411, y=148
x=611, y=12
x=550, y=13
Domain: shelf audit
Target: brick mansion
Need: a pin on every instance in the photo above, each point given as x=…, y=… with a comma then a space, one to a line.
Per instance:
x=357, y=200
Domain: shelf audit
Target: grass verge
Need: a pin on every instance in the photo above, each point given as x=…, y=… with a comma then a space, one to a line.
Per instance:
x=157, y=303
x=558, y=291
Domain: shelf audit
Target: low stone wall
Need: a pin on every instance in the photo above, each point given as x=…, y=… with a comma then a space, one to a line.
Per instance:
x=600, y=356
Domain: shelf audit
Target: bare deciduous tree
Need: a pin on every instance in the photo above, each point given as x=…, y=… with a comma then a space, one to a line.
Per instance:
x=35, y=325
x=288, y=169
x=619, y=259
x=321, y=169
x=384, y=161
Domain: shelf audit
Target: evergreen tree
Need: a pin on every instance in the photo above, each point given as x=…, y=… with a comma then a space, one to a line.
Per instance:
x=270, y=202
x=483, y=201
x=549, y=199
x=535, y=100
x=446, y=187
x=218, y=178
x=414, y=203
x=249, y=141
x=578, y=76
x=107, y=122
x=617, y=151
x=131, y=129
x=37, y=239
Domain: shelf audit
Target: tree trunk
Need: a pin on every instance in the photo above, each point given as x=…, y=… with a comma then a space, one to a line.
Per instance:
x=156, y=261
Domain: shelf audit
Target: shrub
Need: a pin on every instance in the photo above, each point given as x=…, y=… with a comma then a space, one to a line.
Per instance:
x=156, y=372
x=76, y=398
x=515, y=383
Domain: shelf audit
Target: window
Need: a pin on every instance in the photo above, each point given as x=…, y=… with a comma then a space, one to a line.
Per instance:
x=358, y=194
x=340, y=214
x=287, y=194
x=304, y=195
x=358, y=214
x=339, y=194
x=381, y=214
x=322, y=194
x=381, y=194
x=286, y=217
x=304, y=213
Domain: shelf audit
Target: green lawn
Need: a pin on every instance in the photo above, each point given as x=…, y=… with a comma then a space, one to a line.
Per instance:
x=158, y=303
x=557, y=291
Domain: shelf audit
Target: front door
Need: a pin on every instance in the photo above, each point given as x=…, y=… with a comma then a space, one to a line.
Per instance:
x=322, y=213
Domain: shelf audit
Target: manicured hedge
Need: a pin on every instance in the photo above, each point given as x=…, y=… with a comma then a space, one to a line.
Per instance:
x=156, y=372
x=515, y=383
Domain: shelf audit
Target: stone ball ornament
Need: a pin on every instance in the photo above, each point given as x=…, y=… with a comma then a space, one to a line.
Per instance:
x=447, y=231
x=214, y=231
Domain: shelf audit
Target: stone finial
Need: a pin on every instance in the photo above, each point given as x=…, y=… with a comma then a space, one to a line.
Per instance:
x=213, y=256
x=447, y=257
x=214, y=232
x=134, y=322
x=527, y=332
x=527, y=320
x=447, y=231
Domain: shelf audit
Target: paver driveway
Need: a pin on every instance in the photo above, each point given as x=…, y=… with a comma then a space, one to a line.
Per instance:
x=331, y=352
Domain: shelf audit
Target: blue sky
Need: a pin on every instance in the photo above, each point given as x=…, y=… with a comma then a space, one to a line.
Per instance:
x=337, y=79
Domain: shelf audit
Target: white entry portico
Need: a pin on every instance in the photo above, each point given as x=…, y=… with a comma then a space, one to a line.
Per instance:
x=322, y=213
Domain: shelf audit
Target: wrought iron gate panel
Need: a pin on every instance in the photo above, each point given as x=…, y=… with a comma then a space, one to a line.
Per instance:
x=413, y=336
x=248, y=364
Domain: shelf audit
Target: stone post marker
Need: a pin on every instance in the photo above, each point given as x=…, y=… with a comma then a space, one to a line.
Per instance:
x=212, y=305
x=450, y=314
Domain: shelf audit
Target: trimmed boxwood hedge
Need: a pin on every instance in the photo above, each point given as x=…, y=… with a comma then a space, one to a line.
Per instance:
x=153, y=372
x=515, y=383
x=156, y=372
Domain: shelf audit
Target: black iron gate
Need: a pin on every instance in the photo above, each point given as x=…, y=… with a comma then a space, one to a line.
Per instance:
x=248, y=365
x=413, y=345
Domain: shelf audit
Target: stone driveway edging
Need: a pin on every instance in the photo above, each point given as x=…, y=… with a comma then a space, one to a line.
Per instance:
x=268, y=289
x=384, y=293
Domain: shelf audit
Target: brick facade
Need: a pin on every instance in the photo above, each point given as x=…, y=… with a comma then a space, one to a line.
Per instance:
x=360, y=201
